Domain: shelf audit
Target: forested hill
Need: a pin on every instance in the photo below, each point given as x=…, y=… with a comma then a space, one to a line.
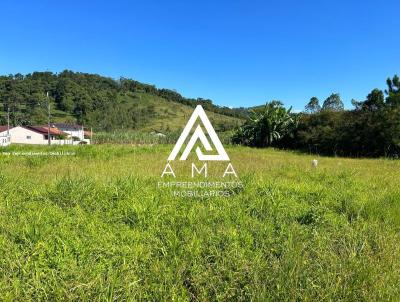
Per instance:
x=103, y=103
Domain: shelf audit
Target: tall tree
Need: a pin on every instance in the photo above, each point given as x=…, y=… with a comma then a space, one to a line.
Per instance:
x=333, y=103
x=375, y=100
x=393, y=91
x=313, y=105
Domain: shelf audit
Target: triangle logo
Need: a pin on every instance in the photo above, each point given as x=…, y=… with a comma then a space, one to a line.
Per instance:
x=198, y=134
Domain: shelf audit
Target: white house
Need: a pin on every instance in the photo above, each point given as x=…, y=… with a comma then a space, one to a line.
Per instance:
x=75, y=131
x=72, y=129
x=37, y=135
x=4, y=136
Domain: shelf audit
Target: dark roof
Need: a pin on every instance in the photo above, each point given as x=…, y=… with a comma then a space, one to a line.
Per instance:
x=4, y=128
x=67, y=126
x=44, y=130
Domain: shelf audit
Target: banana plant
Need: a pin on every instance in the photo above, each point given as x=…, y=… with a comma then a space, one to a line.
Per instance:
x=267, y=125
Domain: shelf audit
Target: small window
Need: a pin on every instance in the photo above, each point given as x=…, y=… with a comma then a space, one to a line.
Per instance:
x=28, y=137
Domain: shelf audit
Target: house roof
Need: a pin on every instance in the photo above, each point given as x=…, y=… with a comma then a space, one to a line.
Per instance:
x=67, y=126
x=44, y=130
x=4, y=128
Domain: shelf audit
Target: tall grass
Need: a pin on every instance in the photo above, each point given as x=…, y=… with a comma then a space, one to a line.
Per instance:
x=143, y=138
x=133, y=137
x=95, y=227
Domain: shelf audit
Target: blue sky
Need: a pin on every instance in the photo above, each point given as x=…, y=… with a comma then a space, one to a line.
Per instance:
x=237, y=53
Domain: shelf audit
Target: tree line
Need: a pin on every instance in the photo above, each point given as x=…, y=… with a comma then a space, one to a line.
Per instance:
x=371, y=128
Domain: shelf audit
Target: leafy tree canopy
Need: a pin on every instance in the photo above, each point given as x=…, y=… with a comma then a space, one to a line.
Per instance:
x=313, y=105
x=333, y=103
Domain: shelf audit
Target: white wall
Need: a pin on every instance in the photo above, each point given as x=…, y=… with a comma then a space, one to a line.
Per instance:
x=75, y=133
x=20, y=135
x=4, y=139
x=78, y=133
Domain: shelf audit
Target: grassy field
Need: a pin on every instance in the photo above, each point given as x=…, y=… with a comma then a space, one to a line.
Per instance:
x=94, y=227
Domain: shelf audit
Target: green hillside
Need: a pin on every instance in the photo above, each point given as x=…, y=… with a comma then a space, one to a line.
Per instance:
x=172, y=116
x=103, y=103
x=158, y=114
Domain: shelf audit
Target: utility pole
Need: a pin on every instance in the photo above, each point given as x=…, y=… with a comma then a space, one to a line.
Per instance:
x=8, y=121
x=48, y=119
x=8, y=125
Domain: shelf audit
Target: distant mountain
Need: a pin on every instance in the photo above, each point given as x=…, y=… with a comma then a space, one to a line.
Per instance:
x=103, y=103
